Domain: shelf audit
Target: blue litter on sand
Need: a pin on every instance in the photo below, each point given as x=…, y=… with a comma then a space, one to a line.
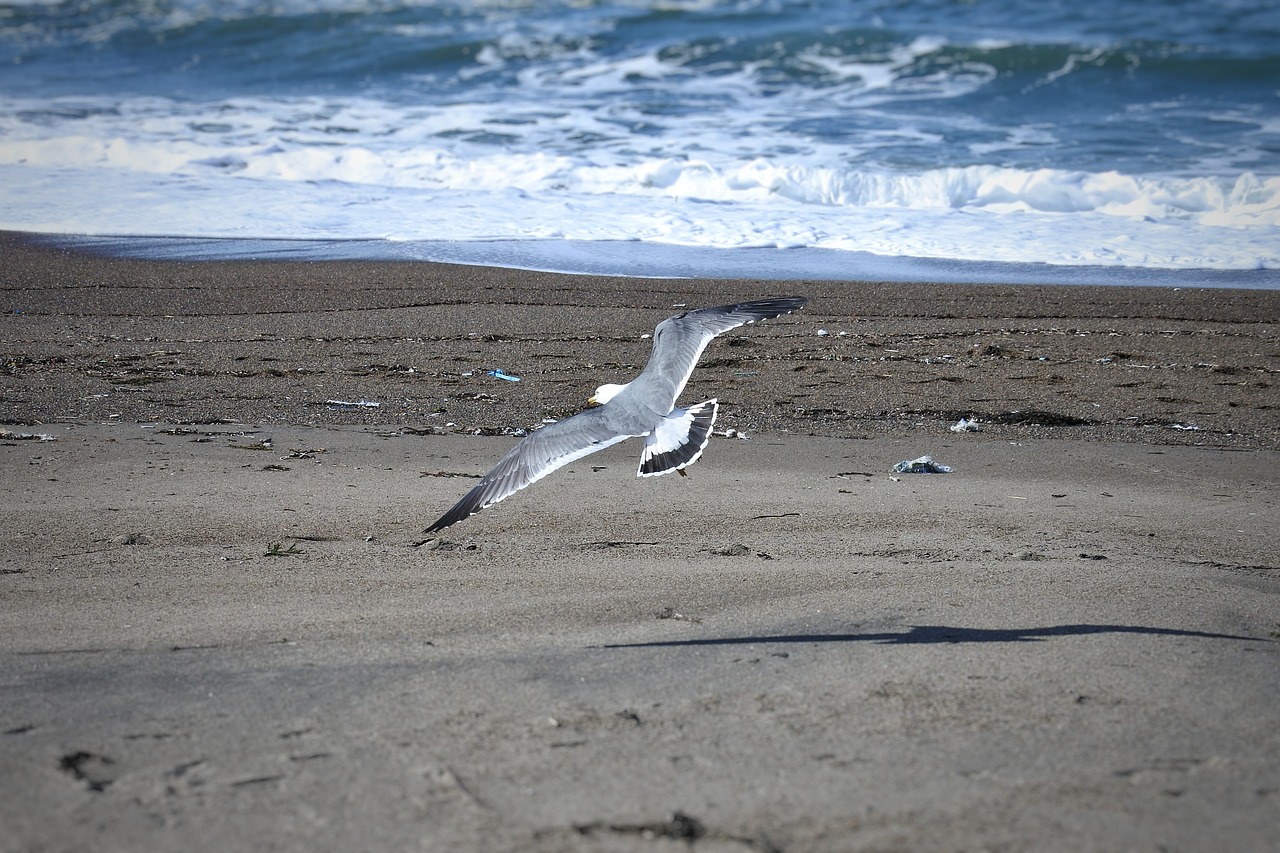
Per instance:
x=499, y=373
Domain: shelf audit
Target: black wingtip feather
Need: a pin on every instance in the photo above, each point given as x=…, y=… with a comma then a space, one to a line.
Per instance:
x=470, y=504
x=776, y=306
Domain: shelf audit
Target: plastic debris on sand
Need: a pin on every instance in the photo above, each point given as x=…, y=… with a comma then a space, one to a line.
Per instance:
x=923, y=465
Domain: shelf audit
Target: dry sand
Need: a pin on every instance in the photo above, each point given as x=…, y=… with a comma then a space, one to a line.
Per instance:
x=223, y=629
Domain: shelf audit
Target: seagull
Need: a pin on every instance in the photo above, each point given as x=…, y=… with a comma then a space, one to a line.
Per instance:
x=645, y=407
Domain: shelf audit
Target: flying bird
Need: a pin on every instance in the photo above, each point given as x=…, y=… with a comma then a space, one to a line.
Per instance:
x=674, y=437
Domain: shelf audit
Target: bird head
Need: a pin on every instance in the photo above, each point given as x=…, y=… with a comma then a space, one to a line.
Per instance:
x=604, y=394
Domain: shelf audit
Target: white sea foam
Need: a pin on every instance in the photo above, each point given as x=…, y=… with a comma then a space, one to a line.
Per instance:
x=366, y=169
x=978, y=214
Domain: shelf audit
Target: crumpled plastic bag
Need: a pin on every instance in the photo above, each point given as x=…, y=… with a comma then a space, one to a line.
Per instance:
x=923, y=465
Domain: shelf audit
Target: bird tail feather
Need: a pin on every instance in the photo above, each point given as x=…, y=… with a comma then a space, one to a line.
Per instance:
x=678, y=440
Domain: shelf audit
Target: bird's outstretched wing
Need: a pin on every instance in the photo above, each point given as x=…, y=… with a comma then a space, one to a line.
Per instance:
x=534, y=457
x=678, y=342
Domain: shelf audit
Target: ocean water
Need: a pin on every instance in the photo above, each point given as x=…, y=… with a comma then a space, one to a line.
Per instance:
x=698, y=136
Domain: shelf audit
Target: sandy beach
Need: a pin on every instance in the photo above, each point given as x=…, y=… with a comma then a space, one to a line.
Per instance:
x=225, y=630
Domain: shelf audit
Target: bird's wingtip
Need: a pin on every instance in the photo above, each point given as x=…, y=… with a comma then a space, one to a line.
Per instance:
x=450, y=518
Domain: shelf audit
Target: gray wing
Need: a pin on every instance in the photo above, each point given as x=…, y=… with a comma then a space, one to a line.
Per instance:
x=678, y=343
x=534, y=457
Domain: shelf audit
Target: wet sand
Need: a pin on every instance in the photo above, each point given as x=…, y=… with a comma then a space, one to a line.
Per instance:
x=225, y=629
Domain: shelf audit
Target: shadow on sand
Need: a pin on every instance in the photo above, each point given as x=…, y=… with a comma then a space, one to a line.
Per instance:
x=933, y=634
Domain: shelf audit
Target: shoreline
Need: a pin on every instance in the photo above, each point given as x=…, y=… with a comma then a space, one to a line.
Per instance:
x=640, y=259
x=90, y=338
